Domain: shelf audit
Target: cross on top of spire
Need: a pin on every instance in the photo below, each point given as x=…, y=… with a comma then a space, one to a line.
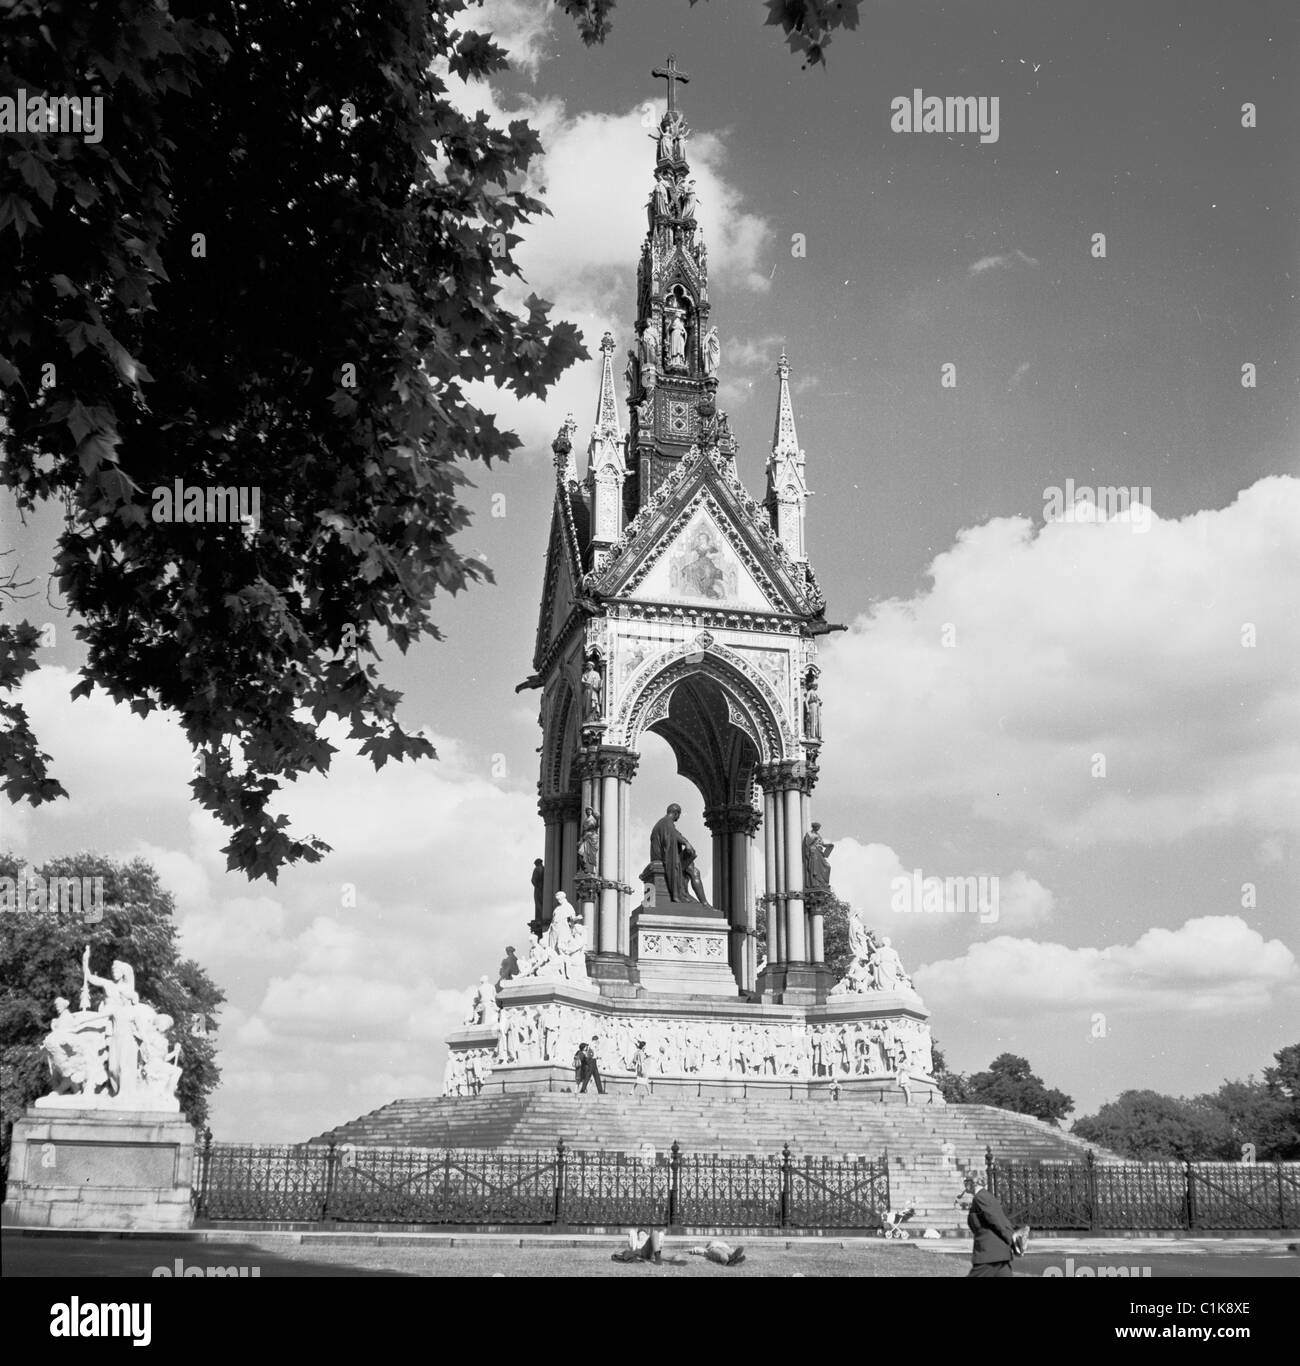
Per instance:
x=672, y=75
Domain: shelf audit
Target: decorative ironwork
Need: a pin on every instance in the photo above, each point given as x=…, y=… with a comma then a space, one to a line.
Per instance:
x=614, y=1188
x=719, y=1191
x=1148, y=1195
x=1236, y=1195
x=260, y=1181
x=838, y=1193
x=563, y=1186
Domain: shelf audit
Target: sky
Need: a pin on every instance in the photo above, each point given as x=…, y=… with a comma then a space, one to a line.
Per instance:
x=1102, y=713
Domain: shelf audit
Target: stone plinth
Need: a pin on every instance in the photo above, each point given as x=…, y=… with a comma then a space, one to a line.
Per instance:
x=655, y=897
x=683, y=954
x=100, y=1168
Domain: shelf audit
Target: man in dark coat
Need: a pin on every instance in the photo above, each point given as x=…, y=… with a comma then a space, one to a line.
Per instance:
x=995, y=1239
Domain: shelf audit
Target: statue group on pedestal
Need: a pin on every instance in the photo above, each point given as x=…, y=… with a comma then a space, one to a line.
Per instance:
x=875, y=965
x=119, y=1053
x=559, y=951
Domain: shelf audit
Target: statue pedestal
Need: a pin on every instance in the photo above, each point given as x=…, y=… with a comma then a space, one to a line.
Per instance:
x=100, y=1168
x=684, y=954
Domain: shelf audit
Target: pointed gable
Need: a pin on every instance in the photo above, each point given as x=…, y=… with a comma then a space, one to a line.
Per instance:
x=702, y=540
x=563, y=574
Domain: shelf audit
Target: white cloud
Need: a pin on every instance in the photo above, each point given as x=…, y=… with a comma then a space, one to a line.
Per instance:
x=1083, y=640
x=1003, y=262
x=1213, y=964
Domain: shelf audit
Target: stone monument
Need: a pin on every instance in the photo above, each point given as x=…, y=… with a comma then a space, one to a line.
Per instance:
x=675, y=603
x=108, y=1146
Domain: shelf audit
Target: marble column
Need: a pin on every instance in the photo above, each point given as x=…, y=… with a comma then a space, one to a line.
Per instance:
x=796, y=941
x=569, y=853
x=607, y=937
x=771, y=877
x=587, y=898
x=550, y=856
x=624, y=826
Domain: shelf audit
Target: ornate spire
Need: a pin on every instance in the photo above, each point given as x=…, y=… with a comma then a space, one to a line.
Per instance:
x=784, y=441
x=607, y=419
x=786, y=491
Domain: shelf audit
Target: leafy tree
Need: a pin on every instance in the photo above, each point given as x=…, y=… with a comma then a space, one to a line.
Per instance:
x=835, y=930
x=1264, y=1115
x=275, y=270
x=40, y=958
x=953, y=1086
x=1010, y=1085
x=1148, y=1125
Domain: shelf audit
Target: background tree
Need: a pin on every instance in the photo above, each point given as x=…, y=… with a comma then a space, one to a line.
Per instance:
x=1148, y=1125
x=835, y=929
x=1216, y=1126
x=1010, y=1085
x=40, y=958
x=1262, y=1114
x=1283, y=1082
x=953, y=1086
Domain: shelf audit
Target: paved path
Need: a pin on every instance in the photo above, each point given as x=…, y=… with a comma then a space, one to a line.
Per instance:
x=324, y=1254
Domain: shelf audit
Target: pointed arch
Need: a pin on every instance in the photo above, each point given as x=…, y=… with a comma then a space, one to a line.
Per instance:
x=751, y=704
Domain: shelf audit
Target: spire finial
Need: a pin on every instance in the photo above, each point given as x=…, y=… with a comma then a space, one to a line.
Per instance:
x=607, y=421
x=672, y=75
x=784, y=440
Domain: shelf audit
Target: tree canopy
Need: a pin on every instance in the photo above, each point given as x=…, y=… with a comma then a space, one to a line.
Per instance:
x=1249, y=1119
x=40, y=958
x=1011, y=1085
x=274, y=271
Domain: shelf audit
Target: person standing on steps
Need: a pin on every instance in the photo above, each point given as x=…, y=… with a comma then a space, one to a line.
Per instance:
x=640, y=1062
x=580, y=1064
x=590, y=1068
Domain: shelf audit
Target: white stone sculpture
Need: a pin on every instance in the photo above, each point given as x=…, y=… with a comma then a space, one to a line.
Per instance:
x=483, y=1011
x=712, y=351
x=118, y=1056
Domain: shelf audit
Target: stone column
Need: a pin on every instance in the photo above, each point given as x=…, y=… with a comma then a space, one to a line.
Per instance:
x=611, y=770
x=549, y=809
x=607, y=937
x=624, y=831
x=817, y=948
x=796, y=941
x=770, y=878
x=744, y=821
x=588, y=886
x=803, y=829
x=569, y=850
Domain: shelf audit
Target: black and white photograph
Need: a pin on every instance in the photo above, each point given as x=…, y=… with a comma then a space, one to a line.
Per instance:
x=650, y=640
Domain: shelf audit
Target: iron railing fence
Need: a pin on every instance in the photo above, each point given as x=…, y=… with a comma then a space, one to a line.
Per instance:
x=1091, y=1195
x=572, y=1187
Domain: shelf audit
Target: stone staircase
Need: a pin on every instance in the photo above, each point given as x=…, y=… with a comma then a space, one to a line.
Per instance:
x=930, y=1148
